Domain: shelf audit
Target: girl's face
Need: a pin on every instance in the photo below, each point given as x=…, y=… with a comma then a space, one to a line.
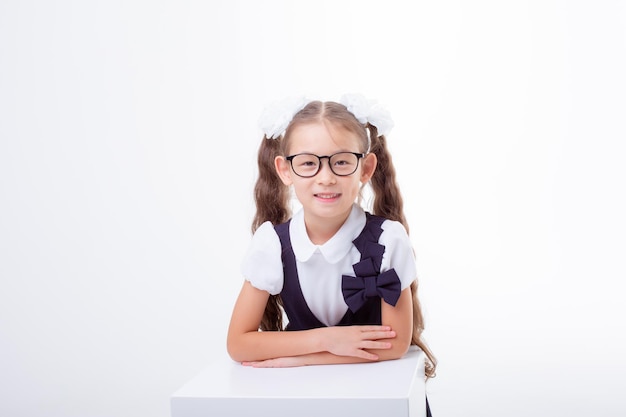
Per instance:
x=326, y=198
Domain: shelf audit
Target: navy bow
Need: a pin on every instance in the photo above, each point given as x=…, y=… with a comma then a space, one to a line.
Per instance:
x=369, y=282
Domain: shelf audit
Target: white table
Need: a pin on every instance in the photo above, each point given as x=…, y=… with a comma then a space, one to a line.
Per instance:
x=228, y=389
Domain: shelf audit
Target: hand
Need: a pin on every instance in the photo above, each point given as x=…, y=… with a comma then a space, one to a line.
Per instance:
x=286, y=362
x=353, y=340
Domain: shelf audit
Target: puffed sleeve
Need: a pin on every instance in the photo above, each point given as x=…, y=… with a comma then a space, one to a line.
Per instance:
x=399, y=252
x=262, y=265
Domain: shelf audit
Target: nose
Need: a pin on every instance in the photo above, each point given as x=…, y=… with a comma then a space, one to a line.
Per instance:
x=325, y=174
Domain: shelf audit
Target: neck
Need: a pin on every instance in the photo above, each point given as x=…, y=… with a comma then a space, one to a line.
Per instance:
x=320, y=230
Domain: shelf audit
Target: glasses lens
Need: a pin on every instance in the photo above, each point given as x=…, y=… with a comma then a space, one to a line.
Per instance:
x=344, y=163
x=305, y=165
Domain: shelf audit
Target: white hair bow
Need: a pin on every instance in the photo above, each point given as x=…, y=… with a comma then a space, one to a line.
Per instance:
x=276, y=117
x=368, y=111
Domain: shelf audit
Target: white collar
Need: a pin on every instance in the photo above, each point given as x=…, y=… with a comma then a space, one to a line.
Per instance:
x=337, y=247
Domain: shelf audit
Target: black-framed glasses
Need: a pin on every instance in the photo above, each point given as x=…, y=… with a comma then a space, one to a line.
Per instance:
x=307, y=165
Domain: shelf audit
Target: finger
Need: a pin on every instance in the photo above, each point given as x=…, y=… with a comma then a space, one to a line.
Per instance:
x=371, y=344
x=375, y=335
x=374, y=328
x=366, y=355
x=269, y=363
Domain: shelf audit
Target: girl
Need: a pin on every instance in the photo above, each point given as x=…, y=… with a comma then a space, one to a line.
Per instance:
x=344, y=279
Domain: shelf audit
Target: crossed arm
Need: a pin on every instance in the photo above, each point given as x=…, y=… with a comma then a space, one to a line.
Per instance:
x=339, y=344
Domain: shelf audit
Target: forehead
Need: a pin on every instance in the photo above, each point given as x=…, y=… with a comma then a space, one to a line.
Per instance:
x=322, y=138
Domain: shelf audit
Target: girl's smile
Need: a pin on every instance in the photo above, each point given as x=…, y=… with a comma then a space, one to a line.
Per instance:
x=328, y=197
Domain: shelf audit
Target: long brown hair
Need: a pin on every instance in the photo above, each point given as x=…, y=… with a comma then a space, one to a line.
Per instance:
x=272, y=197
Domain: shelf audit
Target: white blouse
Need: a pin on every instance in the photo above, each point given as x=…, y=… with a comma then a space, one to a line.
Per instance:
x=320, y=267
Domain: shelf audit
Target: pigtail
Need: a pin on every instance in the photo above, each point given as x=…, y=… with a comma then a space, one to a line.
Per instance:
x=273, y=315
x=388, y=203
x=271, y=197
x=430, y=364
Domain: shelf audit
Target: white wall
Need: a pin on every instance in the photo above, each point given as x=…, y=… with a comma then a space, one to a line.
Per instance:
x=127, y=144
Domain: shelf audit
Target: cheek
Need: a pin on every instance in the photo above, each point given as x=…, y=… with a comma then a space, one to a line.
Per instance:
x=354, y=185
x=299, y=184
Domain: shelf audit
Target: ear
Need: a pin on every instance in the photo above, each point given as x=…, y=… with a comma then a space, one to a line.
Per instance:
x=368, y=166
x=282, y=169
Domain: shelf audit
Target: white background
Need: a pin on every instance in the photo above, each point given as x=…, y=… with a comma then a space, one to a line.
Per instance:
x=127, y=158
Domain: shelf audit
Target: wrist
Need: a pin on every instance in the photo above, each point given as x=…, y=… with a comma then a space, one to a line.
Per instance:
x=319, y=339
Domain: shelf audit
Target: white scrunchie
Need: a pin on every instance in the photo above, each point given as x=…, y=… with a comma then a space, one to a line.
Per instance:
x=368, y=111
x=277, y=116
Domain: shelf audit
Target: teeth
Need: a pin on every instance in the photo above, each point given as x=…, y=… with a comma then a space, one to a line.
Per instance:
x=327, y=195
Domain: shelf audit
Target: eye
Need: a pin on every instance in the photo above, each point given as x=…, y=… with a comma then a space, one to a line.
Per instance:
x=305, y=161
x=343, y=159
x=341, y=162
